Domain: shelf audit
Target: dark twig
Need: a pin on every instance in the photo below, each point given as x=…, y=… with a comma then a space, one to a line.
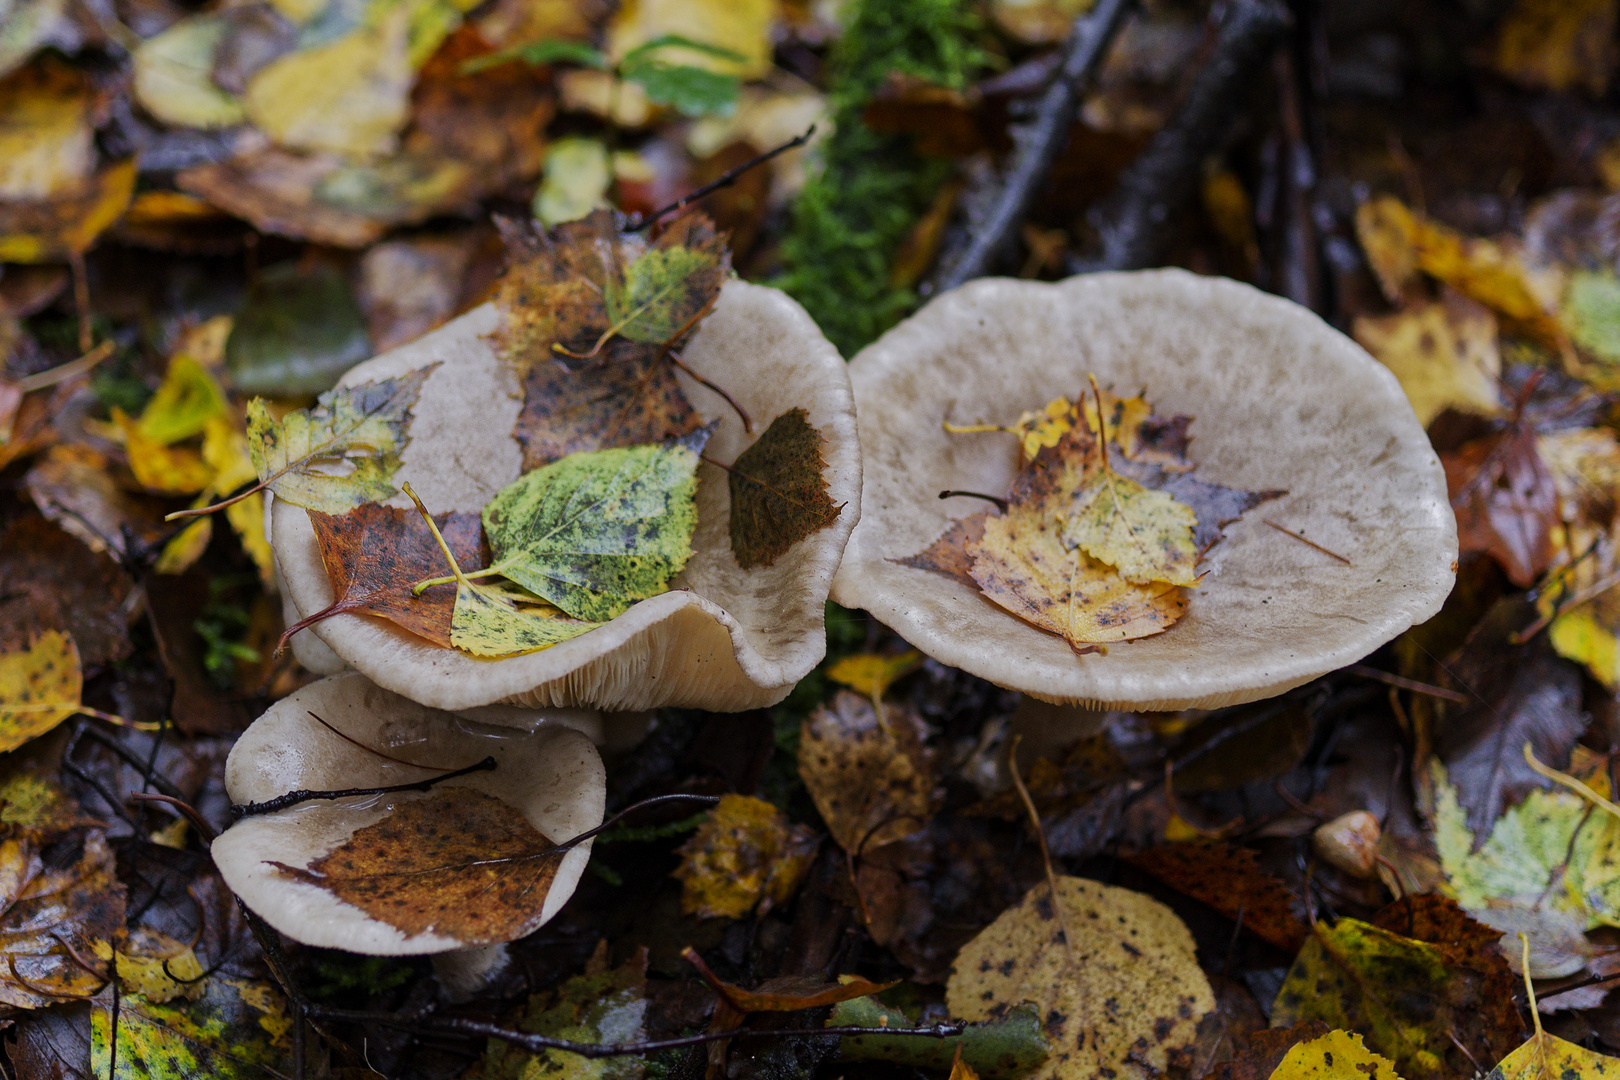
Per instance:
x=725, y=179
x=1037, y=144
x=205, y=830
x=1134, y=221
x=1001, y=504
x=293, y=798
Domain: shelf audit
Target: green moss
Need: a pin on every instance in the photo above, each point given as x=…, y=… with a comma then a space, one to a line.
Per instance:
x=871, y=188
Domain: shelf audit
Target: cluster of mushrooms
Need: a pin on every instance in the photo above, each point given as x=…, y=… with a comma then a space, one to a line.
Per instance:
x=1280, y=400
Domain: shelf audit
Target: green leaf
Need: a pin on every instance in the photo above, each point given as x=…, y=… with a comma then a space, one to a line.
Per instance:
x=690, y=91
x=356, y=431
x=237, y=1030
x=1012, y=1046
x=641, y=52
x=539, y=53
x=1591, y=312
x=596, y=531
x=487, y=623
x=657, y=296
x=1146, y=535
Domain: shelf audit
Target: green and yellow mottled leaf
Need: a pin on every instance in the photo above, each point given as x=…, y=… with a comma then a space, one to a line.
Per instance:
x=357, y=432
x=186, y=400
x=237, y=1030
x=604, y=1005
x=1147, y=535
x=597, y=531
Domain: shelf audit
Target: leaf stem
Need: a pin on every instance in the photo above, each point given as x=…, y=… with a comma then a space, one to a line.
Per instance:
x=199, y=511
x=455, y=568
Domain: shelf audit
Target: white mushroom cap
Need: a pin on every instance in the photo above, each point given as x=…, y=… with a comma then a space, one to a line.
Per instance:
x=723, y=638
x=551, y=773
x=1279, y=400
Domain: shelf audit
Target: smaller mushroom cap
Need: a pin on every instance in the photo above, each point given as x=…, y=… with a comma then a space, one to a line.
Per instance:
x=1278, y=398
x=722, y=638
x=550, y=773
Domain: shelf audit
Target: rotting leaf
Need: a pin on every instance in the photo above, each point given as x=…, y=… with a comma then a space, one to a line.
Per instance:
x=53, y=582
x=43, y=905
x=40, y=685
x=1331, y=1056
x=1229, y=880
x=1444, y=354
x=1003, y=1049
x=787, y=993
x=602, y=1005
x=1146, y=535
x=362, y=427
x=1415, y=1003
x=1468, y=944
x=952, y=553
x=779, y=491
x=237, y=1030
x=746, y=854
x=1265, y=1050
x=599, y=530
x=572, y=289
x=1505, y=501
x=456, y=863
x=1544, y=1056
x=872, y=779
x=627, y=397
x=1122, y=993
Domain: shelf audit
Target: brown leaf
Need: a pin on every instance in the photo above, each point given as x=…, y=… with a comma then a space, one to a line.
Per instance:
x=1505, y=500
x=951, y=554
x=80, y=902
x=871, y=777
x=1265, y=1051
x=779, y=491
x=53, y=582
x=493, y=121
x=375, y=554
x=198, y=706
x=457, y=863
x=1229, y=880
x=628, y=397
x=790, y=993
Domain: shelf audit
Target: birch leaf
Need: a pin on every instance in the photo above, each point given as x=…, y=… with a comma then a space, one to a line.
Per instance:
x=1147, y=535
x=779, y=491
x=39, y=688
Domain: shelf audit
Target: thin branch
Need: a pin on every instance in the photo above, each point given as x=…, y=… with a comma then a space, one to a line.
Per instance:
x=725, y=179
x=293, y=798
x=1001, y=504
x=205, y=830
x=1306, y=542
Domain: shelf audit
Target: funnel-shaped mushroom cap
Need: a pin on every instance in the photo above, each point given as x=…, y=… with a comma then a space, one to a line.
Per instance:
x=1278, y=399
x=722, y=638
x=551, y=775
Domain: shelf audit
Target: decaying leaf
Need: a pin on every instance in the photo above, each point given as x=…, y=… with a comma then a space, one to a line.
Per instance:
x=455, y=862
x=172, y=72
x=299, y=328
x=40, y=683
x=1006, y=1048
x=1336, y=1054
x=1505, y=501
x=361, y=427
x=571, y=290
x=745, y=854
x=952, y=554
x=238, y=1029
x=785, y=993
x=1415, y=1004
x=872, y=779
x=597, y=531
x=1545, y=1056
x=1443, y=353
x=1146, y=535
x=627, y=397
x=1265, y=1049
x=779, y=491
x=1229, y=880
x=1558, y=44
x=43, y=905
x=67, y=224
x=603, y=1005
x=54, y=582
x=1122, y=993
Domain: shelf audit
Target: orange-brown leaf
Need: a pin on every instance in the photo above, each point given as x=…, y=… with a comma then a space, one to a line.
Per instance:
x=779, y=491
x=1229, y=880
x=1505, y=500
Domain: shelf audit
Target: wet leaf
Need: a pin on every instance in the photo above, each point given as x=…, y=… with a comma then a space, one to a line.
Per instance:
x=746, y=854
x=237, y=1030
x=597, y=531
x=162, y=469
x=872, y=673
x=30, y=797
x=578, y=174
x=952, y=554
x=68, y=223
x=78, y=901
x=225, y=449
x=1505, y=501
x=1591, y=312
x=779, y=491
x=1003, y=1049
x=1409, y=998
x=787, y=993
x=54, y=582
x=1229, y=880
x=583, y=283
x=40, y=683
x=362, y=427
x=1558, y=44
x=872, y=778
x=298, y=330
x=457, y=863
x=1467, y=945
x=490, y=623
x=1146, y=535
x=1265, y=1049
x=732, y=37
x=1122, y=994
x=374, y=555
x=1444, y=355
x=47, y=143
x=627, y=398
x=603, y=1005
x=1545, y=1056
x=188, y=397
x=1336, y=1054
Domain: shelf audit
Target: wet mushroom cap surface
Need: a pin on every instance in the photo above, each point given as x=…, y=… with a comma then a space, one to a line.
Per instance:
x=1278, y=398
x=551, y=774
x=722, y=638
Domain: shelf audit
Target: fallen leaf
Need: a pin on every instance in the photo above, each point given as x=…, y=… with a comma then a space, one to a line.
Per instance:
x=1415, y=1004
x=1591, y=311
x=628, y=397
x=745, y=855
x=1558, y=44
x=1122, y=993
x=597, y=531
x=872, y=779
x=155, y=966
x=578, y=174
x=54, y=582
x=1443, y=353
x=603, y=1005
x=1328, y=1057
x=742, y=27
x=952, y=554
x=872, y=673
x=362, y=427
x=299, y=328
x=159, y=468
x=412, y=285
x=779, y=491
x=1146, y=535
x=1387, y=231
x=1467, y=944
x=785, y=993
x=238, y=1029
x=77, y=900
x=31, y=797
x=67, y=224
x=1545, y=1056
x=572, y=289
x=457, y=863
x=47, y=143
x=225, y=449
x=172, y=72
x=72, y=485
x=40, y=685
x=188, y=397
x=1265, y=1049
x=1505, y=500
x=1007, y=1048
x=1229, y=879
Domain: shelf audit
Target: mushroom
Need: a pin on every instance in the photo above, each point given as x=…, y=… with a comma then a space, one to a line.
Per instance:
x=722, y=638
x=345, y=732
x=1278, y=399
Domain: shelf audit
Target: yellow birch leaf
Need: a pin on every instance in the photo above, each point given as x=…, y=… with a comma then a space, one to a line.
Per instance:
x=746, y=853
x=185, y=548
x=166, y=470
x=225, y=449
x=742, y=26
x=1146, y=535
x=39, y=688
x=69, y=222
x=186, y=400
x=1333, y=1056
x=173, y=75
x=1444, y=355
x=872, y=673
x=1586, y=634
x=47, y=143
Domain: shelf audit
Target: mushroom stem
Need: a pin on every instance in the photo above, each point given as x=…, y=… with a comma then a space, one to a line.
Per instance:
x=464, y=972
